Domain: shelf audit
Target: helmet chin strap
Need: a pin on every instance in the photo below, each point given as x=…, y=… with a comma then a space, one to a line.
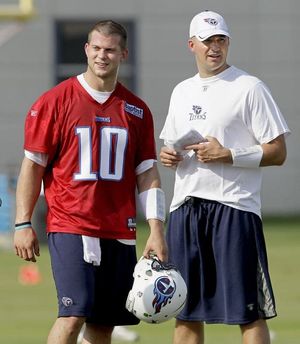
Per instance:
x=158, y=265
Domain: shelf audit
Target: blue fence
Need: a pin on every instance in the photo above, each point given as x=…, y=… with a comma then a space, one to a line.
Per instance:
x=7, y=203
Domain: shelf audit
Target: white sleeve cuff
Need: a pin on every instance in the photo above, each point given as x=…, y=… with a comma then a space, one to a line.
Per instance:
x=39, y=158
x=144, y=166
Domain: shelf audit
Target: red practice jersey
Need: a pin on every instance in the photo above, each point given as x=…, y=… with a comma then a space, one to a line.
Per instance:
x=93, y=150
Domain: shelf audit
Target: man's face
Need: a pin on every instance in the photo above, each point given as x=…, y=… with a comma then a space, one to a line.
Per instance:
x=210, y=54
x=104, y=55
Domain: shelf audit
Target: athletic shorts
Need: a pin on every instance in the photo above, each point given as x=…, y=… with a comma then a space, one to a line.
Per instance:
x=98, y=293
x=220, y=252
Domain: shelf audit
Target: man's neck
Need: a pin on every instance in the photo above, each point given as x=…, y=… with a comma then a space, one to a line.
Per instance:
x=207, y=73
x=99, y=84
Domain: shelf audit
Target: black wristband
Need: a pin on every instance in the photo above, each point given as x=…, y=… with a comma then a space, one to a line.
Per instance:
x=22, y=225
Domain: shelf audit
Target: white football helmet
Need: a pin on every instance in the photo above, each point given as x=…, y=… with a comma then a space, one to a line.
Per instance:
x=158, y=292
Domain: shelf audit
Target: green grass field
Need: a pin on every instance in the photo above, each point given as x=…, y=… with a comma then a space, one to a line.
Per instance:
x=28, y=311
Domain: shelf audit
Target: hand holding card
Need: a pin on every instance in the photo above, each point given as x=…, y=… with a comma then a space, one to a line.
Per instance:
x=189, y=138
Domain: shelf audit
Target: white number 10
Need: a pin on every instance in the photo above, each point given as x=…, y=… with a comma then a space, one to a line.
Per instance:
x=113, y=143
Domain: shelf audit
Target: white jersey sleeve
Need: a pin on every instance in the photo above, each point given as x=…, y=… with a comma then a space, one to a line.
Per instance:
x=263, y=115
x=39, y=158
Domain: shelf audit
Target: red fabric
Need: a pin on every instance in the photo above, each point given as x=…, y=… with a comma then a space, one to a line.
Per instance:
x=93, y=151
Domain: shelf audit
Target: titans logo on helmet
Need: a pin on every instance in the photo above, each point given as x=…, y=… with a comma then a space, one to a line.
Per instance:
x=164, y=289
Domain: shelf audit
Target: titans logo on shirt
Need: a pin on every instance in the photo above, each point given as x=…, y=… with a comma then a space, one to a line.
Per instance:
x=134, y=110
x=197, y=113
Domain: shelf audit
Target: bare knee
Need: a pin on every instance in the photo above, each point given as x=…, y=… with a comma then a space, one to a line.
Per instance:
x=97, y=333
x=189, y=332
x=256, y=332
x=71, y=324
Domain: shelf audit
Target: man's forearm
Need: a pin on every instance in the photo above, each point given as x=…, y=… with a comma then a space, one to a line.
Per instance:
x=28, y=189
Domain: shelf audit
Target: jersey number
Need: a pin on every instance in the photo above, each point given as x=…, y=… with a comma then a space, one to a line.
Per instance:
x=113, y=142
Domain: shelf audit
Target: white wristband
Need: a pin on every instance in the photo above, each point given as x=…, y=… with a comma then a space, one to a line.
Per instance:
x=249, y=157
x=153, y=204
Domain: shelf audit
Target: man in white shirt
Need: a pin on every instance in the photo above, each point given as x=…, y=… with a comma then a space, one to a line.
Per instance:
x=222, y=127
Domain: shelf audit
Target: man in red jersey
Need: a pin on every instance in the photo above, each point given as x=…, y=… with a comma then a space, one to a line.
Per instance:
x=91, y=142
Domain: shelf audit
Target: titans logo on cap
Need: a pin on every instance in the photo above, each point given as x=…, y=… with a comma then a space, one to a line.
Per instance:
x=211, y=21
x=164, y=289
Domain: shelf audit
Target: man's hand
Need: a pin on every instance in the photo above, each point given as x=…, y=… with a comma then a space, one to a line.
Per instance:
x=211, y=151
x=156, y=243
x=26, y=244
x=169, y=157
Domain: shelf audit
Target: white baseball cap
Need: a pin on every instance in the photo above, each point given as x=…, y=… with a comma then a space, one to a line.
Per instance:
x=207, y=24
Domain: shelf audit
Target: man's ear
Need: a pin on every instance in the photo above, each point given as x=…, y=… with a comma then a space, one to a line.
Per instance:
x=124, y=55
x=191, y=44
x=85, y=48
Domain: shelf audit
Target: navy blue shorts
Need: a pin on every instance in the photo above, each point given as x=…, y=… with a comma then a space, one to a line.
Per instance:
x=98, y=293
x=220, y=252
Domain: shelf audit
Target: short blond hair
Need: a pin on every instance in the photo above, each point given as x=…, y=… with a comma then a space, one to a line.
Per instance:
x=110, y=27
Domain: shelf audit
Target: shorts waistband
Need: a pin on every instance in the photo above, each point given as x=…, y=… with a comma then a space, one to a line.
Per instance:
x=191, y=200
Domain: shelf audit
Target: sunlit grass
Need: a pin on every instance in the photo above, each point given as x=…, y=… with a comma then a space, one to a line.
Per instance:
x=28, y=311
